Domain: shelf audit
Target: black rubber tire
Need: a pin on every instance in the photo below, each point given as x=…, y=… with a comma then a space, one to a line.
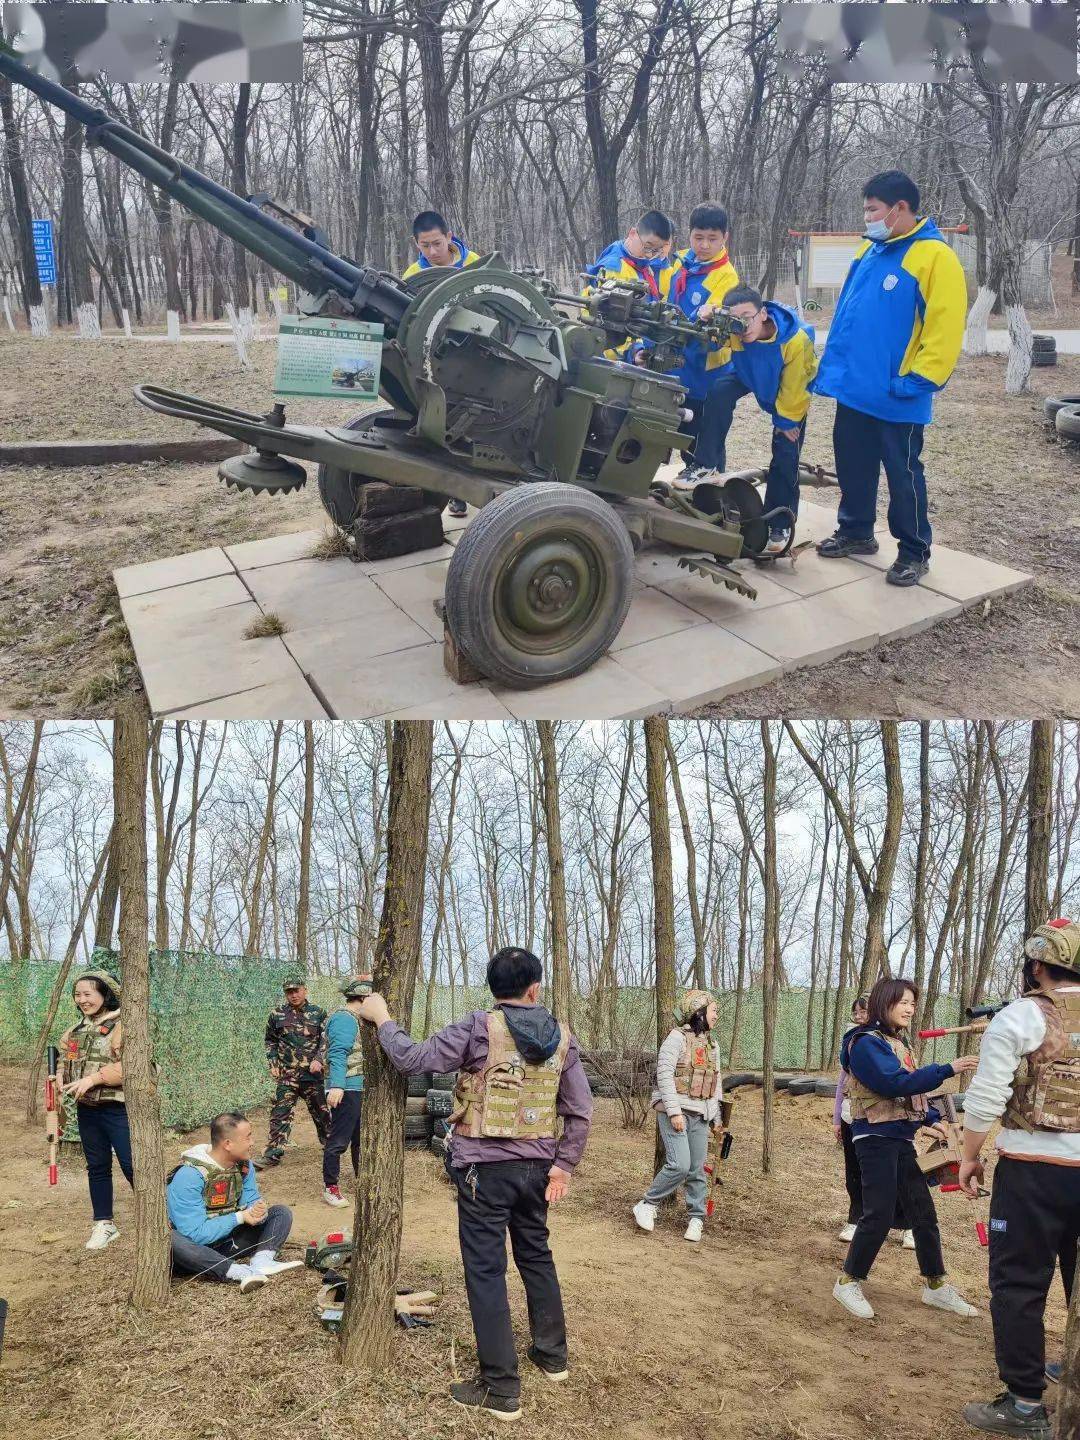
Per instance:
x=781, y=1082
x=1043, y=342
x=339, y=490
x=734, y=1082
x=439, y=1102
x=1067, y=422
x=825, y=1088
x=416, y=1105
x=445, y=1081
x=1040, y=359
x=419, y=1084
x=482, y=560
x=417, y=1127
x=1053, y=403
x=802, y=1087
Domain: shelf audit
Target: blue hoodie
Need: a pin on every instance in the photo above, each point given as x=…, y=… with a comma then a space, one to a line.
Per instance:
x=870, y=1058
x=619, y=263
x=187, y=1208
x=898, y=328
x=341, y=1032
x=777, y=371
x=465, y=256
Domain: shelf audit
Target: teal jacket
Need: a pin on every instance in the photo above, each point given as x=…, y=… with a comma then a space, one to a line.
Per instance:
x=341, y=1032
x=899, y=324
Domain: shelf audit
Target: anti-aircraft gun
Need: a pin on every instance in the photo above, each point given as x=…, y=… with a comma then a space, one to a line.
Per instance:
x=494, y=396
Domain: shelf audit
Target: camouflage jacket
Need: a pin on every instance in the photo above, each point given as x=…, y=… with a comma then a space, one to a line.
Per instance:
x=294, y=1037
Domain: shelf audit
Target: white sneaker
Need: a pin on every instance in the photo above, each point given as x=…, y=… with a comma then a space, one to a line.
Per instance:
x=778, y=542
x=847, y=1233
x=275, y=1267
x=251, y=1280
x=908, y=1240
x=103, y=1233
x=333, y=1196
x=947, y=1297
x=852, y=1298
x=693, y=1230
x=645, y=1215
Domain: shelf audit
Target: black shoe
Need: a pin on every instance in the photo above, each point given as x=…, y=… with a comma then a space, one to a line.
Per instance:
x=1001, y=1417
x=556, y=1373
x=906, y=572
x=269, y=1157
x=839, y=545
x=457, y=507
x=475, y=1395
x=1052, y=1371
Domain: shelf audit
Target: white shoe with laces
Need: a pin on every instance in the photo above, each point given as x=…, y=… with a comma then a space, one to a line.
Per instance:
x=947, y=1297
x=275, y=1267
x=103, y=1233
x=853, y=1300
x=693, y=1229
x=847, y=1232
x=251, y=1280
x=645, y=1215
x=778, y=542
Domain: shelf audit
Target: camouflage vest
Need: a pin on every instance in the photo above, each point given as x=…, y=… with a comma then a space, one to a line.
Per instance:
x=866, y=1104
x=697, y=1075
x=222, y=1189
x=1046, y=1087
x=354, y=1063
x=511, y=1098
x=88, y=1046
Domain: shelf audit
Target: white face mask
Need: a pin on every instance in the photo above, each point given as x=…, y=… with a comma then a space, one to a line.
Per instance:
x=878, y=229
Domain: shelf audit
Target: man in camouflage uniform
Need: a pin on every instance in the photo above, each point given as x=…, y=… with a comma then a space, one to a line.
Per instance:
x=294, y=1039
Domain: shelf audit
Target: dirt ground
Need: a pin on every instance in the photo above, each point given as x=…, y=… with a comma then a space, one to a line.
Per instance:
x=665, y=1338
x=998, y=485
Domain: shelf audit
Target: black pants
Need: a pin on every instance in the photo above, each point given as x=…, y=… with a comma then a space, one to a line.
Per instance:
x=104, y=1132
x=863, y=444
x=1034, y=1224
x=212, y=1262
x=344, y=1134
x=853, y=1182
x=890, y=1174
x=782, y=483
x=493, y=1198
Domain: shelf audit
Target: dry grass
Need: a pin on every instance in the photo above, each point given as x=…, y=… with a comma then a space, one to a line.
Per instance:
x=332, y=546
x=265, y=626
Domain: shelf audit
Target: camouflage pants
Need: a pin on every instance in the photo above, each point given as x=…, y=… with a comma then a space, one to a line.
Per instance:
x=294, y=1086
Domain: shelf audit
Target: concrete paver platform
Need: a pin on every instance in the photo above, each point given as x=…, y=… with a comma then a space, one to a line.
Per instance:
x=362, y=641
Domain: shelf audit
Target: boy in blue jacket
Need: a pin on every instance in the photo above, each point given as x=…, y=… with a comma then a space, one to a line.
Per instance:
x=344, y=1087
x=773, y=360
x=645, y=255
x=893, y=343
x=222, y=1228
x=888, y=1109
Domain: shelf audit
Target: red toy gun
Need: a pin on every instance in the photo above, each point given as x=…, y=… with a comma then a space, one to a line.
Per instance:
x=52, y=1109
x=719, y=1150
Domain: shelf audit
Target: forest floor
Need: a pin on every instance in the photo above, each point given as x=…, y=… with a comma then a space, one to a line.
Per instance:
x=738, y=1336
x=1000, y=487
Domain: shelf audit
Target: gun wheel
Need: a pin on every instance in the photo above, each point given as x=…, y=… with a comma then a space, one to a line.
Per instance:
x=539, y=584
x=339, y=490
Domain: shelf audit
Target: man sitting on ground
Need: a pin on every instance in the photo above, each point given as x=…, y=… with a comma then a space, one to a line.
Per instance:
x=222, y=1228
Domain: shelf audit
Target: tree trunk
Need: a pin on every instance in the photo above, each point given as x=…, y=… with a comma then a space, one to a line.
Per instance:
x=656, y=730
x=368, y=1324
x=105, y=923
x=770, y=946
x=558, y=938
x=150, y=1282
x=20, y=196
x=1040, y=813
x=304, y=898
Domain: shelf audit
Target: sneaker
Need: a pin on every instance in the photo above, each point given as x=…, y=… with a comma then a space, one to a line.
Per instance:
x=103, y=1233
x=1001, y=1417
x=457, y=508
x=275, y=1267
x=847, y=1232
x=689, y=476
x=838, y=545
x=693, y=1230
x=778, y=542
x=645, y=1215
x=907, y=1240
x=268, y=1157
x=251, y=1281
x=475, y=1395
x=906, y=572
x=333, y=1196
x=852, y=1299
x=555, y=1375
x=947, y=1297
x=1052, y=1371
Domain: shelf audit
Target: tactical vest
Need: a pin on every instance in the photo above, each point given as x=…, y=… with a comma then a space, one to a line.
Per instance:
x=88, y=1046
x=354, y=1062
x=511, y=1098
x=697, y=1074
x=222, y=1189
x=1046, y=1087
x=866, y=1104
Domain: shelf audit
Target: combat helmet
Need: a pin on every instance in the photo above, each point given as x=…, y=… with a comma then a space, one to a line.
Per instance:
x=1056, y=943
x=102, y=976
x=356, y=987
x=693, y=1001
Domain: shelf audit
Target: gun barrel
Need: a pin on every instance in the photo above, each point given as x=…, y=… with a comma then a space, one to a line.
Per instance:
x=366, y=293
x=976, y=1029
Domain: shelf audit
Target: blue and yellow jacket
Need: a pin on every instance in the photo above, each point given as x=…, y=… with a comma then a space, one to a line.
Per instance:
x=898, y=328
x=693, y=284
x=778, y=371
x=617, y=262
x=463, y=256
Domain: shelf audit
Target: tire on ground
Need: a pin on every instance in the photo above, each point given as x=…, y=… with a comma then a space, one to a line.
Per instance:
x=1053, y=403
x=439, y=1102
x=448, y=1079
x=417, y=1127
x=740, y=1078
x=803, y=1087
x=1043, y=342
x=1043, y=358
x=1067, y=421
x=419, y=1084
x=533, y=536
x=416, y=1105
x=826, y=1088
x=339, y=490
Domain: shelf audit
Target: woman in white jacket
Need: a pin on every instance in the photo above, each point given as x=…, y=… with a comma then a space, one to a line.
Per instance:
x=687, y=1101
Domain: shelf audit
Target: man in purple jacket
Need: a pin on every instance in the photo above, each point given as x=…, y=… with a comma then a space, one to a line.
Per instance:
x=520, y=1073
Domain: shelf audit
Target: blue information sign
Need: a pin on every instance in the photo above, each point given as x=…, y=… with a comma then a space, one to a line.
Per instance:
x=44, y=251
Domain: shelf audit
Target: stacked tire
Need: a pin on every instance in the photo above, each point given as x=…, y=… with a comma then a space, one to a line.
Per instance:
x=1063, y=412
x=614, y=1072
x=417, y=1119
x=1043, y=350
x=438, y=1103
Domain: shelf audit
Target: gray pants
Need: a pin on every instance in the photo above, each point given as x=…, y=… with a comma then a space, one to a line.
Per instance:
x=212, y=1261
x=685, y=1163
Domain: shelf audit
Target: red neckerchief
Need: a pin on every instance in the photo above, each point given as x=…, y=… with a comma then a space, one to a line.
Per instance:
x=646, y=273
x=682, y=279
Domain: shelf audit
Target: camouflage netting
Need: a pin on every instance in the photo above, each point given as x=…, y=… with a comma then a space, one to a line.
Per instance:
x=210, y=1013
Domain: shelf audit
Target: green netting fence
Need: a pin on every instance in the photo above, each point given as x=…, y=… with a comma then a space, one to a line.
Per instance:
x=210, y=1010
